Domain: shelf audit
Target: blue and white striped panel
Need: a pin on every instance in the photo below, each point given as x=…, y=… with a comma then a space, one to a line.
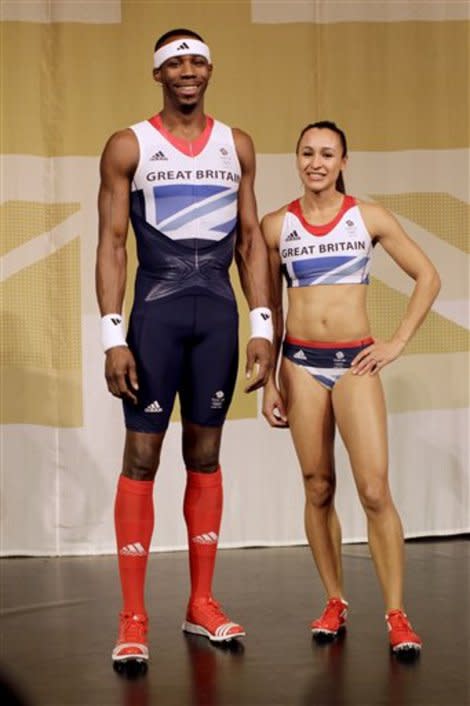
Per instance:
x=330, y=270
x=203, y=211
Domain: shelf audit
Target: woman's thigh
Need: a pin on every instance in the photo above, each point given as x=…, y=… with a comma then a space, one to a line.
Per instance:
x=360, y=413
x=310, y=417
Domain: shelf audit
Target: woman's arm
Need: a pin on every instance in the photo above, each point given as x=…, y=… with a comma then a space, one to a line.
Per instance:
x=273, y=405
x=412, y=260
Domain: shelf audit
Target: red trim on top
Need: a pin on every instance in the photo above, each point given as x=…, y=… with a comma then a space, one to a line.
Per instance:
x=191, y=149
x=330, y=344
x=323, y=229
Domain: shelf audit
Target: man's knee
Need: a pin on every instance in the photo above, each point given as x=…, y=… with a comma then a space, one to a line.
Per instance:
x=201, y=447
x=141, y=455
x=202, y=459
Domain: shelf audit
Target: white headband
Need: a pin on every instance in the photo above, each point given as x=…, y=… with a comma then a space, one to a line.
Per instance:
x=179, y=47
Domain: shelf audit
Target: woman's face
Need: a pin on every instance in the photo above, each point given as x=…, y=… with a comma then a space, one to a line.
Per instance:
x=320, y=159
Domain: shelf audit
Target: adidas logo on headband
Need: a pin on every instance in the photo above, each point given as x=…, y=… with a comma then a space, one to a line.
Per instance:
x=176, y=48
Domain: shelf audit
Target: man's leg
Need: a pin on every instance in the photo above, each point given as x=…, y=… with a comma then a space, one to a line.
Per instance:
x=203, y=513
x=134, y=520
x=202, y=503
x=134, y=515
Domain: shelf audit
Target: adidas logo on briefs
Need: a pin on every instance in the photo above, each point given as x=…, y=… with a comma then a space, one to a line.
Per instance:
x=183, y=45
x=158, y=155
x=209, y=538
x=153, y=407
x=135, y=549
x=300, y=355
x=293, y=235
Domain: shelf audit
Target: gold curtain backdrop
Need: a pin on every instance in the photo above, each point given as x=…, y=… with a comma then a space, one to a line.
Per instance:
x=395, y=76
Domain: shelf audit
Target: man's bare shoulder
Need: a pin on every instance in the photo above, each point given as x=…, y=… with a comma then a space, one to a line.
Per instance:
x=121, y=151
x=244, y=145
x=241, y=136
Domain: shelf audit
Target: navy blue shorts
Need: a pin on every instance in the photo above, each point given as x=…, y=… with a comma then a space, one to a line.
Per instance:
x=326, y=362
x=186, y=345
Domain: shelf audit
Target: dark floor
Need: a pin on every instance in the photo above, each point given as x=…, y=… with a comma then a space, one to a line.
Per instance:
x=59, y=623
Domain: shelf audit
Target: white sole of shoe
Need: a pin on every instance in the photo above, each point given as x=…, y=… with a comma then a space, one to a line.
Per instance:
x=140, y=655
x=195, y=629
x=322, y=632
x=407, y=647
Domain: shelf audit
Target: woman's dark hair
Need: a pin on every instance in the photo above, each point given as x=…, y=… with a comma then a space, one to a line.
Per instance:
x=176, y=33
x=328, y=125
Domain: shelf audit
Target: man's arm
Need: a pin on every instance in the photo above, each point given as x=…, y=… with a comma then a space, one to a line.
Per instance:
x=252, y=260
x=117, y=167
x=273, y=405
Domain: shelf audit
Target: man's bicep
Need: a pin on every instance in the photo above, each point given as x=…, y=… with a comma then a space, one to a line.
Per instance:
x=116, y=169
x=113, y=208
x=247, y=209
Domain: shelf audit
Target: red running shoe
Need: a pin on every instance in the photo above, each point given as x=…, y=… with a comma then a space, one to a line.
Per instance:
x=205, y=617
x=403, y=639
x=131, y=644
x=332, y=620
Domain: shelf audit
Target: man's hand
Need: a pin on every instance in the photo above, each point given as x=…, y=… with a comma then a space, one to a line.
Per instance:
x=273, y=406
x=259, y=353
x=121, y=374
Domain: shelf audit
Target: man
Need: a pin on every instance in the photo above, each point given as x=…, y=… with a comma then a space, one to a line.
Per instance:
x=186, y=183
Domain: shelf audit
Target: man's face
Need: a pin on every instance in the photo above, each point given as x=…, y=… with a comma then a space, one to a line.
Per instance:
x=184, y=78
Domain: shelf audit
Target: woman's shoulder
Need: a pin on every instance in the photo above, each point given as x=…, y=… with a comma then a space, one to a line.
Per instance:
x=370, y=206
x=277, y=215
x=374, y=214
x=271, y=224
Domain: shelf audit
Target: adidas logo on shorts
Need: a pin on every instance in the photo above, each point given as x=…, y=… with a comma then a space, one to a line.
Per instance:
x=135, y=549
x=300, y=355
x=209, y=538
x=153, y=407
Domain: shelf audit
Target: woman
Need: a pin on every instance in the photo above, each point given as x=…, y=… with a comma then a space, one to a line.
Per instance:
x=328, y=377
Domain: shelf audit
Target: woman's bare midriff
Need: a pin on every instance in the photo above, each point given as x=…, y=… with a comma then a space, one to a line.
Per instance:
x=328, y=313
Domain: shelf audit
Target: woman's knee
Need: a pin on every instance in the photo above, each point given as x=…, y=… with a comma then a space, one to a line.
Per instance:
x=375, y=496
x=319, y=489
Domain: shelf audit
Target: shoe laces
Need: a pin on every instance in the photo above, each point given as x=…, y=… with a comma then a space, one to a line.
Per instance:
x=133, y=627
x=332, y=608
x=399, y=620
x=214, y=610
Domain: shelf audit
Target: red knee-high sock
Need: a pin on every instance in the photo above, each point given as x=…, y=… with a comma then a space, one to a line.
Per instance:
x=202, y=512
x=133, y=518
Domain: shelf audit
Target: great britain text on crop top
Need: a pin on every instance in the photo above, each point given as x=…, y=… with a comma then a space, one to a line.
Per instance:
x=322, y=248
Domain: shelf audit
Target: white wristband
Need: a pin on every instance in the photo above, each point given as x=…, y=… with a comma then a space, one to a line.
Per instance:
x=112, y=331
x=261, y=321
